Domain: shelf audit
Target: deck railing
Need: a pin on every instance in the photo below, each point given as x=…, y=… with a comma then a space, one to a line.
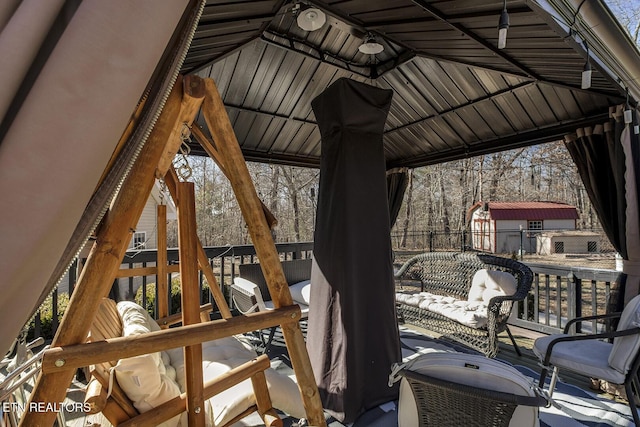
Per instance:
x=557, y=294
x=223, y=259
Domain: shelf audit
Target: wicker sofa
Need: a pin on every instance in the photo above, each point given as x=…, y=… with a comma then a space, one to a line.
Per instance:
x=462, y=297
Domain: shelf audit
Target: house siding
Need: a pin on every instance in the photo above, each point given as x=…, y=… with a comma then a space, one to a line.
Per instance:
x=147, y=223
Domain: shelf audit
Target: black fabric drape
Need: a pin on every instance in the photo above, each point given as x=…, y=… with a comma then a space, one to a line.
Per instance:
x=397, y=180
x=353, y=334
x=598, y=156
x=608, y=160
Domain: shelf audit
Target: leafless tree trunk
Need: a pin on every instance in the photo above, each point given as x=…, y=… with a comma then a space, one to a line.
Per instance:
x=407, y=218
x=292, y=189
x=273, y=197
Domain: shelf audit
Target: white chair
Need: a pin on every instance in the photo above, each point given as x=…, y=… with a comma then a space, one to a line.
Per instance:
x=591, y=356
x=250, y=292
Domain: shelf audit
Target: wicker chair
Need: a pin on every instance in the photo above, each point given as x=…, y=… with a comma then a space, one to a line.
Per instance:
x=445, y=403
x=451, y=274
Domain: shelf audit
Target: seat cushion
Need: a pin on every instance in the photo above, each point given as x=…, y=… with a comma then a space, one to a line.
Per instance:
x=145, y=379
x=586, y=357
x=472, y=314
x=301, y=291
x=218, y=358
x=487, y=284
x=626, y=348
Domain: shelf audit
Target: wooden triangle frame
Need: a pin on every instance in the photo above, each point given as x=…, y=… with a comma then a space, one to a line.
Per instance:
x=69, y=350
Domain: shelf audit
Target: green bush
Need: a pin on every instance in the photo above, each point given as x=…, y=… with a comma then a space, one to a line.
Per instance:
x=175, y=302
x=46, y=316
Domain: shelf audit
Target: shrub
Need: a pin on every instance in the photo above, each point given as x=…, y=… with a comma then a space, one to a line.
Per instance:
x=46, y=317
x=175, y=301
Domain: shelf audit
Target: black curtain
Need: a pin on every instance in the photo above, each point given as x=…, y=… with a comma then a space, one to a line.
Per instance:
x=606, y=156
x=353, y=335
x=600, y=162
x=397, y=180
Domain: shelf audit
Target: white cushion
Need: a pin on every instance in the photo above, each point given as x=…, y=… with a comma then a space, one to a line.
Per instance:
x=251, y=287
x=625, y=348
x=469, y=313
x=301, y=292
x=588, y=357
x=145, y=379
x=222, y=355
x=487, y=284
x=485, y=373
x=141, y=381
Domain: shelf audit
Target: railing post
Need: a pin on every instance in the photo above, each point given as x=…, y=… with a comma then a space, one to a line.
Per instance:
x=572, y=298
x=54, y=311
x=430, y=241
x=578, y=302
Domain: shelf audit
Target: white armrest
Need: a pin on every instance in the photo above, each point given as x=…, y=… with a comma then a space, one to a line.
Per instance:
x=251, y=289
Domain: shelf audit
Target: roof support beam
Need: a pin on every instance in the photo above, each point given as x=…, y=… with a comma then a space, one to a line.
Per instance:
x=473, y=36
x=461, y=106
x=362, y=70
x=270, y=114
x=517, y=140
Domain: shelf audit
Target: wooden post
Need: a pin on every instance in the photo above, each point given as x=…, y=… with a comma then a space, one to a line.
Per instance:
x=220, y=127
x=187, y=243
x=162, y=289
x=191, y=102
x=171, y=179
x=105, y=258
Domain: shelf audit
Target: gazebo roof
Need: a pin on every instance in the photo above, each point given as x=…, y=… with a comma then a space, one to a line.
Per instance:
x=455, y=93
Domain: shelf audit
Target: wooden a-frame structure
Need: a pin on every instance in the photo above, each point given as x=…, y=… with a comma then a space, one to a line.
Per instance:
x=70, y=350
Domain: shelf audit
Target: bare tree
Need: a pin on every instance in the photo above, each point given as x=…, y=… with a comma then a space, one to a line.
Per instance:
x=407, y=217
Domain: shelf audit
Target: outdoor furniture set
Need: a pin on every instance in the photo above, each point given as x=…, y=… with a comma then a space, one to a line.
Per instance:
x=468, y=389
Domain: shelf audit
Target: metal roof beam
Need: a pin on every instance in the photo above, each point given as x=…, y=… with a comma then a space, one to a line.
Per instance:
x=473, y=36
x=536, y=136
x=320, y=56
x=461, y=106
x=269, y=114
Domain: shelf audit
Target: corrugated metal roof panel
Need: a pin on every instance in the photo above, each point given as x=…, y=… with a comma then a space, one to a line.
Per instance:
x=455, y=93
x=531, y=211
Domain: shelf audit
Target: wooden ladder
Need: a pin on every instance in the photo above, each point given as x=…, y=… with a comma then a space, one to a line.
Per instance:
x=69, y=350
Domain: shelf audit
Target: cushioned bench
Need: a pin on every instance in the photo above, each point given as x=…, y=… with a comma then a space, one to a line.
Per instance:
x=466, y=297
x=130, y=388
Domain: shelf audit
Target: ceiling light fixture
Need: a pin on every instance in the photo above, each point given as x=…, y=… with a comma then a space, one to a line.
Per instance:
x=370, y=46
x=503, y=26
x=311, y=18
